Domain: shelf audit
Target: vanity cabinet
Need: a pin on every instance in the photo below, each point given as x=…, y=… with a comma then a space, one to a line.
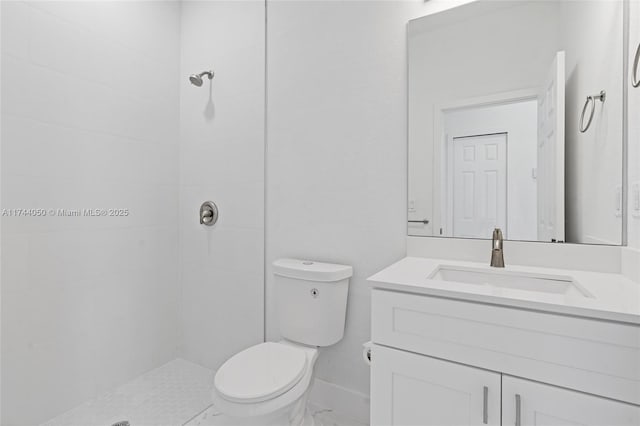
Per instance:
x=527, y=403
x=411, y=389
x=440, y=361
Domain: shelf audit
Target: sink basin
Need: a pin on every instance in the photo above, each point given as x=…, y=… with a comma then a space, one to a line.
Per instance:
x=511, y=280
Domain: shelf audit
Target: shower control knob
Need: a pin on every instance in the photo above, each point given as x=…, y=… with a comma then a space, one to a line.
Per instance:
x=208, y=213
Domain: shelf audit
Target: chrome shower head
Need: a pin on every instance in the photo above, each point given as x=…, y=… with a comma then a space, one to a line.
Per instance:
x=196, y=79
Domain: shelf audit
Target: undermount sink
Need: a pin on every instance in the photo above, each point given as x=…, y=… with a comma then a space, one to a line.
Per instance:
x=511, y=280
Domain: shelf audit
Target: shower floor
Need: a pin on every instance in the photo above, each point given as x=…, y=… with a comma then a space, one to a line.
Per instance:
x=176, y=394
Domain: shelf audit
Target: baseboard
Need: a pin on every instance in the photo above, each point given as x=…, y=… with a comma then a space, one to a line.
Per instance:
x=348, y=403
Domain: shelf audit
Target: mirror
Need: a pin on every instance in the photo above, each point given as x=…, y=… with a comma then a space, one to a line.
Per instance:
x=516, y=121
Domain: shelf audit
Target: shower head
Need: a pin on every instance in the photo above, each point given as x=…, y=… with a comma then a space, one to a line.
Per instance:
x=196, y=79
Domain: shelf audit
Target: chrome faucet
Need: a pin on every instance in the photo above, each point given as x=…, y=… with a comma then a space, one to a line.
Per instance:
x=497, y=256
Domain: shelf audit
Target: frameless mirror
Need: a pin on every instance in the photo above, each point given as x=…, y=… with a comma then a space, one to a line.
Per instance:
x=516, y=121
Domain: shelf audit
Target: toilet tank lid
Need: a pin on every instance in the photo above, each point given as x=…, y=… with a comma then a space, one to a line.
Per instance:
x=311, y=270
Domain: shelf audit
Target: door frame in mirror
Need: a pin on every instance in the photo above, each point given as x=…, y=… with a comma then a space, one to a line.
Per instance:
x=440, y=147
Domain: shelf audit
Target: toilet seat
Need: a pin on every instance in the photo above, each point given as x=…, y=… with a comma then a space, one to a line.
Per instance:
x=277, y=402
x=261, y=372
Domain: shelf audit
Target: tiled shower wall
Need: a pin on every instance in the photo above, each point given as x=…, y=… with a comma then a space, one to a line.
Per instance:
x=98, y=113
x=222, y=160
x=89, y=121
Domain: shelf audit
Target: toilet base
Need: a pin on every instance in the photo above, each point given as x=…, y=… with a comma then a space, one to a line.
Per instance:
x=295, y=414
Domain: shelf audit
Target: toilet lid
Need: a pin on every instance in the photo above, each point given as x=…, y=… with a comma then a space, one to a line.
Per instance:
x=260, y=372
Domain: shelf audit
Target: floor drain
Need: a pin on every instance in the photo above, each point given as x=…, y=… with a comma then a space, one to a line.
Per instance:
x=122, y=423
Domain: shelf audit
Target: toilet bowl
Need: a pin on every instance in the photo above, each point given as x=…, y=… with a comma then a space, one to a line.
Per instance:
x=268, y=383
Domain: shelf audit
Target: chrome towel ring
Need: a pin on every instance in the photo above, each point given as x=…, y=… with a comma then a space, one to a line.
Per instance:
x=590, y=100
x=635, y=79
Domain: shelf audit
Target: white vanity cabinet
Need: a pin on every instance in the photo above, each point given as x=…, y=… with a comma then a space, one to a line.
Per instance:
x=440, y=361
x=411, y=389
x=528, y=403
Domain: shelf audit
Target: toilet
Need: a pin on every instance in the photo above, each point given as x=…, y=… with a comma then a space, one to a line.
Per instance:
x=268, y=384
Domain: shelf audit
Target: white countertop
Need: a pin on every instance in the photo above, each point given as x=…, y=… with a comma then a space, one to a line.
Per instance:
x=615, y=297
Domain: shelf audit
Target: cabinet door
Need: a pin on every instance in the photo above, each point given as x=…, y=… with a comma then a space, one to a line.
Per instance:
x=409, y=389
x=526, y=403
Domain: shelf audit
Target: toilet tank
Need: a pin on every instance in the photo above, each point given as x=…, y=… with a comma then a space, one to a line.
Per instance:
x=311, y=300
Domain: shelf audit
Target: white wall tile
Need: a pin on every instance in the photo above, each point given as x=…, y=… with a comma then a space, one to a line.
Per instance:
x=15, y=29
x=158, y=40
x=89, y=120
x=218, y=303
x=222, y=160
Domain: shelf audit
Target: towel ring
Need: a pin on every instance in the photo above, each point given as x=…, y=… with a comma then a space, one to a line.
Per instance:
x=635, y=79
x=590, y=100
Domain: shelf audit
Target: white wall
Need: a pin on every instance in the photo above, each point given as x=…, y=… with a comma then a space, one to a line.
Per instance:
x=222, y=160
x=89, y=120
x=519, y=121
x=593, y=160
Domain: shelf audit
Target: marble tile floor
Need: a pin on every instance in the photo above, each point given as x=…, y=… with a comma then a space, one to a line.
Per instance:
x=175, y=394
x=321, y=417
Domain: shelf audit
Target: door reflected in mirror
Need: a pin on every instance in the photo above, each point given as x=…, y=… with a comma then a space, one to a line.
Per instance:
x=504, y=127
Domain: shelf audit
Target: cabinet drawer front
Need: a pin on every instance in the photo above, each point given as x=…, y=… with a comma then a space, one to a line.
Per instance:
x=588, y=355
x=410, y=389
x=528, y=403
